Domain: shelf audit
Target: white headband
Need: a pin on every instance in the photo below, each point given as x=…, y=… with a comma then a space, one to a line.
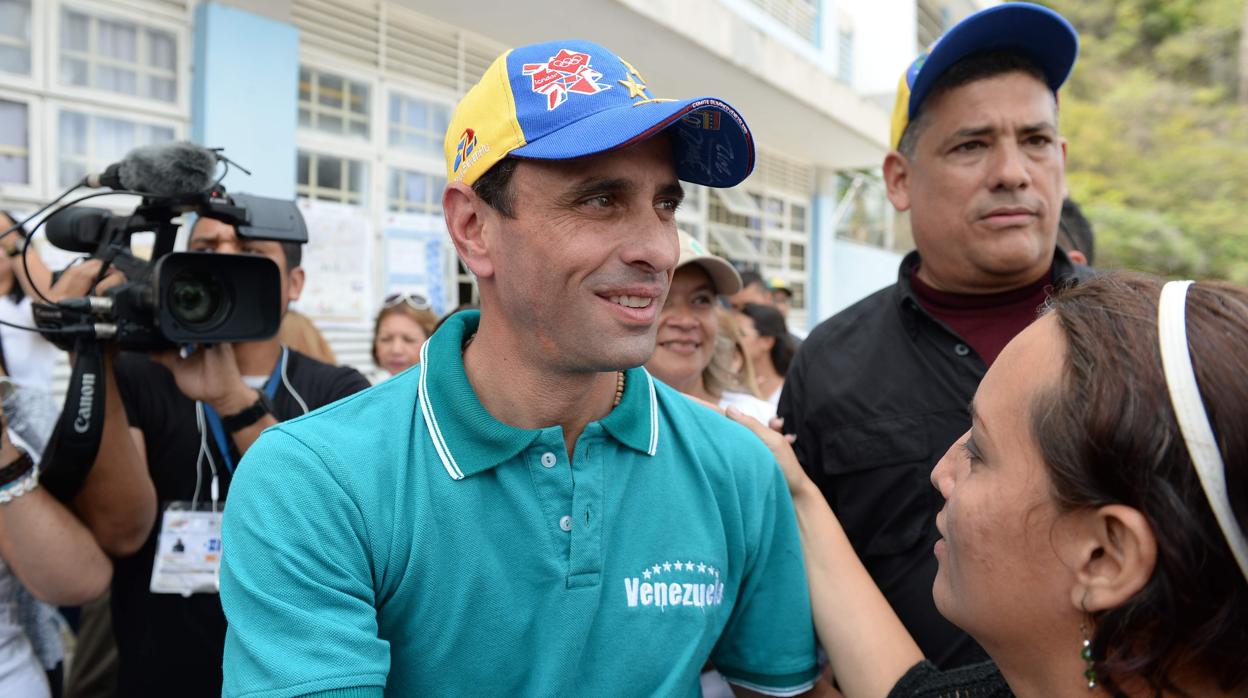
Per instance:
x=1189, y=409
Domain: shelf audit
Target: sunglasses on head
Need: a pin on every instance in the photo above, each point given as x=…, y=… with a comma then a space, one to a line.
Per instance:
x=415, y=300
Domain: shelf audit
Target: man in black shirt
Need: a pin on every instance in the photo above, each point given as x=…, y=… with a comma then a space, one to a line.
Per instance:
x=185, y=424
x=878, y=392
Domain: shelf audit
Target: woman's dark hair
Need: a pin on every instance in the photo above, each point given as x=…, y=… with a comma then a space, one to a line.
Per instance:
x=1109, y=436
x=16, y=293
x=768, y=322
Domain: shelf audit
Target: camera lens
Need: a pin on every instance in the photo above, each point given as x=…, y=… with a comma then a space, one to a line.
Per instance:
x=197, y=298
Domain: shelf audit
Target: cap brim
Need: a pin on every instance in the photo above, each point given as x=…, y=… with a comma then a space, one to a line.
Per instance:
x=1037, y=32
x=725, y=277
x=711, y=143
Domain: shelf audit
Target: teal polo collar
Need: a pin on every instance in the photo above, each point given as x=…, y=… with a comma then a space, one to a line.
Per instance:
x=469, y=440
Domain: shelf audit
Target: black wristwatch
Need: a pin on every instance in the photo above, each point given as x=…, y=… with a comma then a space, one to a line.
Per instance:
x=249, y=415
x=15, y=470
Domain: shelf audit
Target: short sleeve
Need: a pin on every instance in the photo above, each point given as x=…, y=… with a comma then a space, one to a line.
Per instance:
x=348, y=382
x=792, y=409
x=296, y=582
x=130, y=371
x=768, y=645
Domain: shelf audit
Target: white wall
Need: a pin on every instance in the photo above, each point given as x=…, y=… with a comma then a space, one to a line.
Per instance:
x=884, y=40
x=858, y=271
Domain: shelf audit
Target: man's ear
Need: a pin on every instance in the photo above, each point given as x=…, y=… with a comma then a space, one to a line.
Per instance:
x=294, y=283
x=466, y=219
x=1113, y=553
x=897, y=180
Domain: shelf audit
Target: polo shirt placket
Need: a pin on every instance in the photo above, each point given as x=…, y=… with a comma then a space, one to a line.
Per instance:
x=469, y=440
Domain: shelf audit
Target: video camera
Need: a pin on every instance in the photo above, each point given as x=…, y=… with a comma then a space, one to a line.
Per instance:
x=176, y=298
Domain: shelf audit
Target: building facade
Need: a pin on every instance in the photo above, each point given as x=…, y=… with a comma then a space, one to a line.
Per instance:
x=344, y=103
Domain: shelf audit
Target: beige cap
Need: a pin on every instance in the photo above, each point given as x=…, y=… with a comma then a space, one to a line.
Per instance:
x=725, y=277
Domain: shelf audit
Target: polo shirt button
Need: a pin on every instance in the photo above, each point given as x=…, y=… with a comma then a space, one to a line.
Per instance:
x=549, y=460
x=566, y=523
x=961, y=349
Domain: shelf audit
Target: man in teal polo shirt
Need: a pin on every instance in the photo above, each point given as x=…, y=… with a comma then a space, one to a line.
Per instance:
x=529, y=512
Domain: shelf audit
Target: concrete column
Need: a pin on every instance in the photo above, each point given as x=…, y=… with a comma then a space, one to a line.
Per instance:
x=821, y=286
x=244, y=95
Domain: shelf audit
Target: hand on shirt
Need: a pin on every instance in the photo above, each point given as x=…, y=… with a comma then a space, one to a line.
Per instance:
x=781, y=446
x=210, y=374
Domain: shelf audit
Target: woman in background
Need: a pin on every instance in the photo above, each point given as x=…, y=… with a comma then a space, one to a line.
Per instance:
x=404, y=323
x=731, y=355
x=300, y=333
x=769, y=346
x=688, y=336
x=27, y=356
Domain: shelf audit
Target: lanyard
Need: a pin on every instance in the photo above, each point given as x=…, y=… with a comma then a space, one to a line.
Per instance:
x=214, y=422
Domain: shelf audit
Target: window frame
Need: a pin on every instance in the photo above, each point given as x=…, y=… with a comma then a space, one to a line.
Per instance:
x=348, y=71
x=434, y=203
x=399, y=151
x=35, y=80
x=52, y=115
x=35, y=123
x=120, y=102
x=366, y=192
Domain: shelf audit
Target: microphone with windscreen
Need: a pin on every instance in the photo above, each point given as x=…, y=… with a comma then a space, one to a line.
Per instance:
x=166, y=170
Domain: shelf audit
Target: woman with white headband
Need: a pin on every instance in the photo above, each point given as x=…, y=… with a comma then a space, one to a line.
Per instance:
x=1093, y=528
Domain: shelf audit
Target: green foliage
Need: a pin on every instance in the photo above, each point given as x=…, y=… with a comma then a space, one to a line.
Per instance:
x=1158, y=154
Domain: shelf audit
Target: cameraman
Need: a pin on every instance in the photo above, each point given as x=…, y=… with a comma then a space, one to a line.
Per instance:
x=185, y=425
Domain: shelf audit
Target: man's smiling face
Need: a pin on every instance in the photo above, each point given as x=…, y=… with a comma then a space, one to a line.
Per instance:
x=582, y=267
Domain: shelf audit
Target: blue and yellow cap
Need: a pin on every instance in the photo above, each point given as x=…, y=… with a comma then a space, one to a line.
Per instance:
x=568, y=99
x=1037, y=32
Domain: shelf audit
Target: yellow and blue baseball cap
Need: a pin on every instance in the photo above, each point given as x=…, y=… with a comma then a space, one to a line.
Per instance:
x=561, y=100
x=1036, y=32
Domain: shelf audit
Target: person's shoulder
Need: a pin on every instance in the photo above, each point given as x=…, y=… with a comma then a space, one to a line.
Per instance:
x=926, y=681
x=375, y=427
x=715, y=439
x=754, y=407
x=312, y=374
x=869, y=309
x=357, y=409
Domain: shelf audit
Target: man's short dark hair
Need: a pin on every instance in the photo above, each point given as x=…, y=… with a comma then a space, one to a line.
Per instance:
x=494, y=187
x=294, y=254
x=979, y=66
x=750, y=277
x=1074, y=231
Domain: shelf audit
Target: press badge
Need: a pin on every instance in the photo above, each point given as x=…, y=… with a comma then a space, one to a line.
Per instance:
x=188, y=551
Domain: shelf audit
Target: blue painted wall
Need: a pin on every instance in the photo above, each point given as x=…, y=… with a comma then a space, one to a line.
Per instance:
x=243, y=95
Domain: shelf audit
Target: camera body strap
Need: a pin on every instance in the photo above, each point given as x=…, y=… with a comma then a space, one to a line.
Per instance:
x=75, y=441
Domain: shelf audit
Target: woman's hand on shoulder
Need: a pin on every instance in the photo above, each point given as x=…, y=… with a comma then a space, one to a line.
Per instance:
x=781, y=446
